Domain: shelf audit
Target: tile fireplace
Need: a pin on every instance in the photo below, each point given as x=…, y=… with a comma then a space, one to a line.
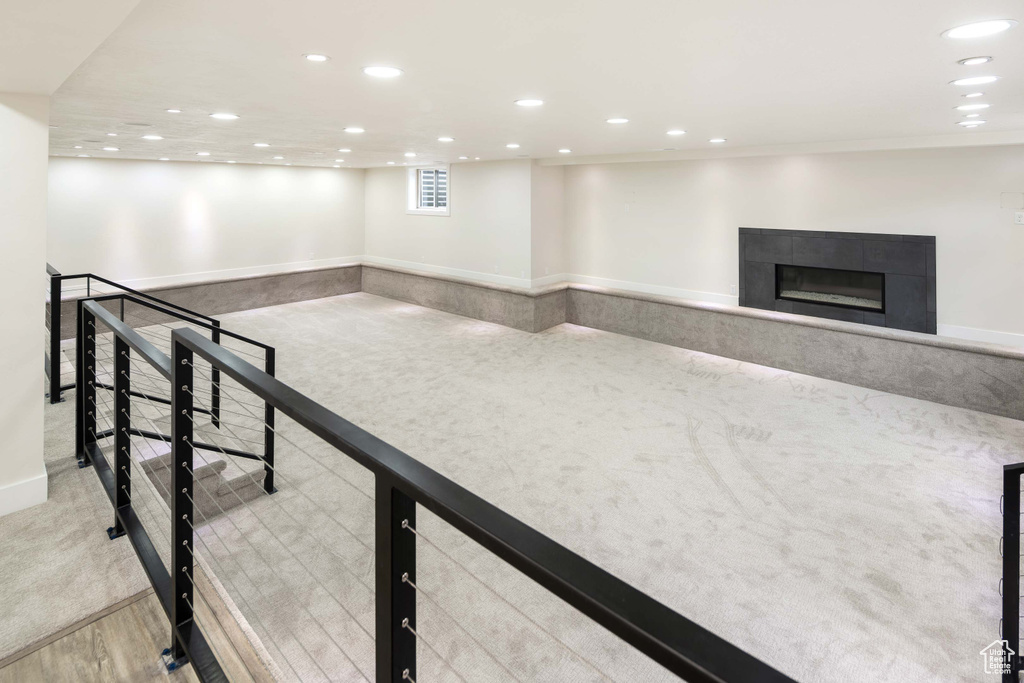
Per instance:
x=874, y=279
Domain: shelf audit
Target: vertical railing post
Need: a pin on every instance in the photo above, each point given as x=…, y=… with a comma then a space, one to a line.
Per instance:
x=1011, y=567
x=55, y=294
x=396, y=599
x=85, y=395
x=122, y=435
x=215, y=381
x=181, y=499
x=268, y=429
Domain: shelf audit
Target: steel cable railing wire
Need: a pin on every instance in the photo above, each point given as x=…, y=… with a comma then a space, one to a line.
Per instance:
x=478, y=580
x=294, y=486
x=450, y=558
x=277, y=433
x=200, y=429
x=342, y=526
x=165, y=535
x=225, y=575
x=212, y=497
x=187, y=324
x=143, y=468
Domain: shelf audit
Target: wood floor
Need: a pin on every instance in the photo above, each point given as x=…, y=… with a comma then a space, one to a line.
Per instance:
x=123, y=645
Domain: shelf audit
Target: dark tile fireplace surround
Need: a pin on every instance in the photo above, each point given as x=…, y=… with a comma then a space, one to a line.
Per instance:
x=883, y=280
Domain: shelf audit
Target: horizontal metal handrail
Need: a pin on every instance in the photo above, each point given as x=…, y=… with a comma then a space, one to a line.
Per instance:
x=142, y=346
x=199, y=323
x=677, y=643
x=135, y=292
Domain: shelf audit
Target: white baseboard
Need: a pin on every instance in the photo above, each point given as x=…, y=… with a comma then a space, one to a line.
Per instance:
x=980, y=335
x=525, y=283
x=226, y=274
x=659, y=290
x=23, y=494
x=550, y=280
x=961, y=332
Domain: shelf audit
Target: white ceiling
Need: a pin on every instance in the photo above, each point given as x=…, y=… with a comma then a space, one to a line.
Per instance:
x=787, y=72
x=42, y=41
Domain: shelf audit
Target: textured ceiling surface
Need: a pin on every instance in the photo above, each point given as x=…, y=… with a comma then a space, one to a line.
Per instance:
x=757, y=73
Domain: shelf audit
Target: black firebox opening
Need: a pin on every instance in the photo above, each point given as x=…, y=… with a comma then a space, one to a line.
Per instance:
x=831, y=287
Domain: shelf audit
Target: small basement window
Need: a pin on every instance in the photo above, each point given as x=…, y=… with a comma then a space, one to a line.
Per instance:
x=429, y=191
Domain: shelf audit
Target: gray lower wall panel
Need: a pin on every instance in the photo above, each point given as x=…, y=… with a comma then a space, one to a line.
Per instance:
x=527, y=312
x=963, y=374
x=991, y=383
x=243, y=294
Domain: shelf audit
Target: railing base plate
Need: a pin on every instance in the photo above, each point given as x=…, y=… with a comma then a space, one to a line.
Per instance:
x=172, y=664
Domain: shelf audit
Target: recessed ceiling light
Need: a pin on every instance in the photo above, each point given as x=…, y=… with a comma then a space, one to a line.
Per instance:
x=344, y=150
x=232, y=162
x=446, y=139
x=164, y=159
x=512, y=145
x=382, y=71
x=476, y=158
x=279, y=158
x=617, y=120
x=202, y=154
x=336, y=166
x=224, y=116
x=84, y=156
x=410, y=154
x=78, y=147
x=529, y=103
x=152, y=137
x=315, y=57
x=339, y=161
x=111, y=149
x=676, y=131
x=973, y=61
x=113, y=135
x=463, y=158
x=973, y=94
x=354, y=129
x=565, y=150
x=970, y=124
x=287, y=164
x=980, y=29
x=173, y=111
x=972, y=107
x=717, y=140
x=971, y=116
x=975, y=80
x=391, y=163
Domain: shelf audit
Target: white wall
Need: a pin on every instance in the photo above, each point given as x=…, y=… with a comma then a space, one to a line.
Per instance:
x=148, y=223
x=661, y=227
x=548, y=238
x=487, y=235
x=672, y=226
x=24, y=138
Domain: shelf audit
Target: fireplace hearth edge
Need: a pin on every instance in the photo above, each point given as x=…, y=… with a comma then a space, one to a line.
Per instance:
x=906, y=262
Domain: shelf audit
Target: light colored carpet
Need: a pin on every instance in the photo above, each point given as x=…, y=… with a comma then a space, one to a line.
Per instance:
x=57, y=565
x=838, y=533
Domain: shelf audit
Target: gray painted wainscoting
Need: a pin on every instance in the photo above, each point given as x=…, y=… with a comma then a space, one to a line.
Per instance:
x=973, y=375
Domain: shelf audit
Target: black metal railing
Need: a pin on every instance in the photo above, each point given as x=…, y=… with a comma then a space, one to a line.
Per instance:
x=1012, y=662
x=85, y=345
x=54, y=319
x=401, y=485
